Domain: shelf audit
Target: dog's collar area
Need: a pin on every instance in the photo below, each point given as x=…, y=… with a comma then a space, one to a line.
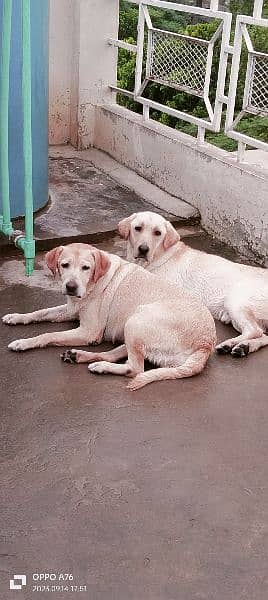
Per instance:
x=161, y=260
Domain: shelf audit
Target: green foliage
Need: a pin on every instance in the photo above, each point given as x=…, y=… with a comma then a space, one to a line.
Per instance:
x=254, y=127
x=126, y=76
x=126, y=67
x=162, y=19
x=245, y=7
x=128, y=20
x=171, y=21
x=204, y=31
x=241, y=7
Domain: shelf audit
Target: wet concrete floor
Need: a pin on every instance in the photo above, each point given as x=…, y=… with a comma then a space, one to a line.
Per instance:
x=87, y=202
x=159, y=494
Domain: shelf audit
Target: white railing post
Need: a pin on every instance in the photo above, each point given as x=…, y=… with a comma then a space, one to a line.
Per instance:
x=214, y=4
x=140, y=42
x=201, y=132
x=255, y=99
x=257, y=10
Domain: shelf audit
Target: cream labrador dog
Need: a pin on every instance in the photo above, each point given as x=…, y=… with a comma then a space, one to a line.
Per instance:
x=233, y=293
x=118, y=301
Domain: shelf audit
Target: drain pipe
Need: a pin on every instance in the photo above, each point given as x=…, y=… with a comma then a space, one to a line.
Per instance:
x=27, y=243
x=24, y=241
x=5, y=220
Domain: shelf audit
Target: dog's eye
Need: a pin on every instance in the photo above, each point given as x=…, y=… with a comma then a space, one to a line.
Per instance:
x=157, y=232
x=138, y=228
x=85, y=268
x=65, y=265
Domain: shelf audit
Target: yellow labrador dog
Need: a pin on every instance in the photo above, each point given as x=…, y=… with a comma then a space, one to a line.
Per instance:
x=116, y=300
x=233, y=293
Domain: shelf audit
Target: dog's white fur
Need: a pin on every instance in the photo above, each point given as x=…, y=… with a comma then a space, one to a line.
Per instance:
x=116, y=300
x=233, y=293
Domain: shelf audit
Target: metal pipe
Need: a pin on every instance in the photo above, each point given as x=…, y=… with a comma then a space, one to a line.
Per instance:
x=27, y=243
x=122, y=44
x=5, y=220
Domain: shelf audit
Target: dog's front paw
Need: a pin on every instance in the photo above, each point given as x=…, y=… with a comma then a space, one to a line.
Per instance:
x=12, y=319
x=70, y=356
x=19, y=345
x=240, y=351
x=99, y=367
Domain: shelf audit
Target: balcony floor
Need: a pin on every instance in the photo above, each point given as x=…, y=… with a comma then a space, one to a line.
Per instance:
x=90, y=192
x=158, y=495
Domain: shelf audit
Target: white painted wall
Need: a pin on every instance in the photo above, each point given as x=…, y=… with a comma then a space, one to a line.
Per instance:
x=60, y=69
x=82, y=65
x=232, y=198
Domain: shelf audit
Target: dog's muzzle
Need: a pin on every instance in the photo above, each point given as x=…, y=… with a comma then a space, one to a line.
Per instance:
x=71, y=288
x=143, y=250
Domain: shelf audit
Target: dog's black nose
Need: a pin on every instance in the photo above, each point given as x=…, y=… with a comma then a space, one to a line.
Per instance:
x=71, y=288
x=143, y=249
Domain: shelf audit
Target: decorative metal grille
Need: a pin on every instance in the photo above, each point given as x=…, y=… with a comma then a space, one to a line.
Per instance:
x=177, y=61
x=258, y=92
x=185, y=63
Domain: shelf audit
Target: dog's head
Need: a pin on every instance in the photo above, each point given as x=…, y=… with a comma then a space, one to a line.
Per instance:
x=80, y=266
x=148, y=235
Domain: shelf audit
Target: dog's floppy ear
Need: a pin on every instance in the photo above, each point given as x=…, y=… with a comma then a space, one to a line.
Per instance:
x=102, y=264
x=171, y=237
x=52, y=257
x=124, y=226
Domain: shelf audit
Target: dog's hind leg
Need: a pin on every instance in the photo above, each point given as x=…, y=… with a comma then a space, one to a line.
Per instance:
x=193, y=365
x=82, y=356
x=133, y=349
x=134, y=365
x=244, y=320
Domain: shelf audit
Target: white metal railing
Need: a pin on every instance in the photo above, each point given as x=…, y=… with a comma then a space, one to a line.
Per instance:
x=255, y=99
x=180, y=61
x=184, y=63
x=168, y=61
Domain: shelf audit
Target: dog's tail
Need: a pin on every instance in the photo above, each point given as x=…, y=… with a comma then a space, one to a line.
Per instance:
x=192, y=366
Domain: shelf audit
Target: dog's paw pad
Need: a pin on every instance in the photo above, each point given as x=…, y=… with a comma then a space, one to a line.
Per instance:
x=240, y=350
x=223, y=349
x=69, y=356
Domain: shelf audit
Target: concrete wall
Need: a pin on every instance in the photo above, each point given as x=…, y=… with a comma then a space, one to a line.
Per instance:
x=82, y=65
x=232, y=198
x=61, y=25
